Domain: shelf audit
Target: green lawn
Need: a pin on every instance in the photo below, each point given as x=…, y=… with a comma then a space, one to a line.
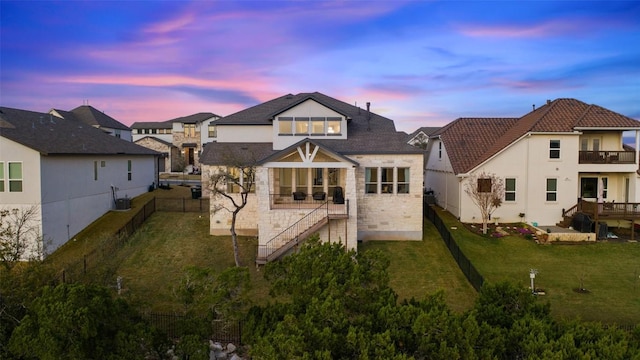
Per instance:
x=423, y=267
x=609, y=270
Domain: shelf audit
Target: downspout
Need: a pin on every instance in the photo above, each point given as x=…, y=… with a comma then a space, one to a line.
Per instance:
x=526, y=177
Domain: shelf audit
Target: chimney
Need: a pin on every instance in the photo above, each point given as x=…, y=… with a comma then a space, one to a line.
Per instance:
x=548, y=101
x=368, y=116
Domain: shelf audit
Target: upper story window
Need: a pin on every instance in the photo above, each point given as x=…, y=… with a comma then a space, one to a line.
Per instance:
x=212, y=131
x=1, y=176
x=189, y=130
x=302, y=125
x=316, y=126
x=554, y=149
x=15, y=177
x=285, y=126
x=117, y=133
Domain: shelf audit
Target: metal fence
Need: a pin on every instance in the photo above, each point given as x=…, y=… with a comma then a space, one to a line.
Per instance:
x=176, y=325
x=464, y=263
x=182, y=204
x=73, y=272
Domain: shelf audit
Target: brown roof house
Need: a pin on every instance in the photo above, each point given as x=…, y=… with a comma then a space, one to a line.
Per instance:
x=71, y=171
x=322, y=166
x=563, y=158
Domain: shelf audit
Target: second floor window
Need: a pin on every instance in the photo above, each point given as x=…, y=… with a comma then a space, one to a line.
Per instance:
x=1, y=176
x=190, y=130
x=554, y=149
x=15, y=177
x=316, y=126
x=212, y=131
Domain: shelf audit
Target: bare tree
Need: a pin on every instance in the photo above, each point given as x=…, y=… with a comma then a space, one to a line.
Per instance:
x=233, y=183
x=486, y=191
x=20, y=236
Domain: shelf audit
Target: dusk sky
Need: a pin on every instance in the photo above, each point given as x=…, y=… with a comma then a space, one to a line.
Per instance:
x=420, y=63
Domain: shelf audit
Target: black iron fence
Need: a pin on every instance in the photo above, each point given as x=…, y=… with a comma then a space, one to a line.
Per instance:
x=183, y=204
x=464, y=263
x=176, y=325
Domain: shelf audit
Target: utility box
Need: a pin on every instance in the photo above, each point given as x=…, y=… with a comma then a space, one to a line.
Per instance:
x=123, y=204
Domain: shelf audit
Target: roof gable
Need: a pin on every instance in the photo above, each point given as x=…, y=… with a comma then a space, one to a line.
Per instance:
x=307, y=152
x=49, y=134
x=90, y=115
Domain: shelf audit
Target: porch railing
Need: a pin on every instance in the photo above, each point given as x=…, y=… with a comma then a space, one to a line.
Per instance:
x=611, y=209
x=606, y=157
x=300, y=230
x=300, y=201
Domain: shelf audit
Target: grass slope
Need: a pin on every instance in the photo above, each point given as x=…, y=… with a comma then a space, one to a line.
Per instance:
x=610, y=271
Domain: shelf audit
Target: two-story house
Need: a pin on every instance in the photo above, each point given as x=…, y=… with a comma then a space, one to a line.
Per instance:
x=180, y=140
x=551, y=161
x=321, y=165
x=96, y=118
x=71, y=171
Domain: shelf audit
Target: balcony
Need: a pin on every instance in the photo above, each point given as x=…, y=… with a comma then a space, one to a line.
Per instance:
x=606, y=157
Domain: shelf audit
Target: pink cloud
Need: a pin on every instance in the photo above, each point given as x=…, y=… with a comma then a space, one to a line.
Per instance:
x=549, y=28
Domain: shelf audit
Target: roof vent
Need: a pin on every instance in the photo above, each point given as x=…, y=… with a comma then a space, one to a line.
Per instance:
x=548, y=101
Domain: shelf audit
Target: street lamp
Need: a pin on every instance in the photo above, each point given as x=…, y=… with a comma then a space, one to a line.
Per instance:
x=532, y=276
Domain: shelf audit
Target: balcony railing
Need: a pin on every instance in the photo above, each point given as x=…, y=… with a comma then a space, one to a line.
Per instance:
x=302, y=201
x=606, y=157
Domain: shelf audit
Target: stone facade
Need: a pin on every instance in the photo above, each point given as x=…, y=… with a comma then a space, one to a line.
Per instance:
x=179, y=139
x=153, y=144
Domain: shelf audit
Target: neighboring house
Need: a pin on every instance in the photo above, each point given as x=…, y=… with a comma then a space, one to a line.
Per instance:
x=322, y=166
x=72, y=171
x=420, y=137
x=98, y=119
x=187, y=135
x=551, y=160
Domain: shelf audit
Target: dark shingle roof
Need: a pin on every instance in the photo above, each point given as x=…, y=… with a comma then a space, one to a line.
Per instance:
x=190, y=119
x=236, y=153
x=367, y=132
x=90, y=115
x=427, y=130
x=560, y=115
x=152, y=125
x=49, y=134
x=153, y=138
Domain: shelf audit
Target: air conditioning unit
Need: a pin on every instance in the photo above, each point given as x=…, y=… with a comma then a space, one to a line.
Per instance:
x=123, y=204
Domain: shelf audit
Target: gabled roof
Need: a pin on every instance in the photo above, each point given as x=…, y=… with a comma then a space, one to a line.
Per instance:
x=467, y=138
x=247, y=154
x=284, y=152
x=49, y=134
x=90, y=115
x=189, y=119
x=367, y=132
x=427, y=130
x=153, y=138
x=468, y=148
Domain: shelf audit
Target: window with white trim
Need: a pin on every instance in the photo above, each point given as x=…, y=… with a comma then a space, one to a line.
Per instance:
x=15, y=176
x=302, y=125
x=554, y=149
x=510, y=189
x=1, y=176
x=386, y=180
x=285, y=126
x=212, y=131
x=552, y=189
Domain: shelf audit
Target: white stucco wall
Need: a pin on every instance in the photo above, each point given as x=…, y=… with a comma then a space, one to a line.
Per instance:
x=244, y=133
x=439, y=178
x=73, y=199
x=11, y=151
